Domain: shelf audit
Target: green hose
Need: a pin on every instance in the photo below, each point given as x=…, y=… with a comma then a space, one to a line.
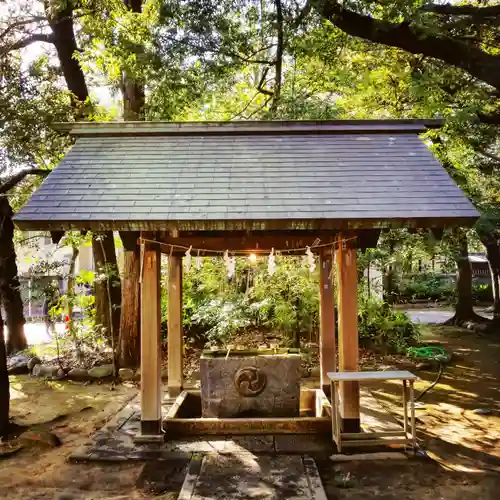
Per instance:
x=430, y=353
x=433, y=354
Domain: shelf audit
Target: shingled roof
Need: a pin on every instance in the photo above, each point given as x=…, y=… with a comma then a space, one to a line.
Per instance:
x=247, y=175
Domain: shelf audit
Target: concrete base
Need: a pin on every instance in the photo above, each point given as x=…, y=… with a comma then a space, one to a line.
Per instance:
x=120, y=439
x=149, y=439
x=184, y=419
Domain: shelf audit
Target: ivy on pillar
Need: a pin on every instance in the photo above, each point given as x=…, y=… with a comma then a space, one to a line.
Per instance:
x=175, y=337
x=151, y=388
x=347, y=277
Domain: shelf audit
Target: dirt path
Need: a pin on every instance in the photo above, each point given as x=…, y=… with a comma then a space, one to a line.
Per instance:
x=463, y=446
x=72, y=411
x=459, y=419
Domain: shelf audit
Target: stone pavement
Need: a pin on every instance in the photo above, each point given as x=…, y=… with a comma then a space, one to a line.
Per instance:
x=220, y=467
x=247, y=476
x=114, y=442
x=269, y=467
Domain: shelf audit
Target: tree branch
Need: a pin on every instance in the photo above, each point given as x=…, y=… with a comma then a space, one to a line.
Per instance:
x=260, y=87
x=489, y=118
x=413, y=39
x=247, y=105
x=26, y=41
x=280, y=36
x=249, y=60
x=253, y=113
x=306, y=10
x=462, y=10
x=20, y=22
x=491, y=156
x=16, y=179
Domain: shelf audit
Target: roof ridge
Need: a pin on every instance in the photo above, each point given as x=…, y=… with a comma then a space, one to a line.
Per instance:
x=244, y=127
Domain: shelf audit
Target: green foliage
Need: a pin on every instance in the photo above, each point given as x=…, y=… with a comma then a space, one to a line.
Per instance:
x=382, y=326
x=285, y=305
x=481, y=293
x=216, y=60
x=30, y=102
x=215, y=308
x=426, y=286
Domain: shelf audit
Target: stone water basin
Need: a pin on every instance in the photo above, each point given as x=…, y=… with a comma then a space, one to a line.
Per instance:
x=250, y=383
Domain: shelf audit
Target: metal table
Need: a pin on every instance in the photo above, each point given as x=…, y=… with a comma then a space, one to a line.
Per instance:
x=406, y=436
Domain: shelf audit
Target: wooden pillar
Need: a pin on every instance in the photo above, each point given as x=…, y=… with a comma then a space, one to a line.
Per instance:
x=175, y=338
x=151, y=390
x=327, y=348
x=348, y=333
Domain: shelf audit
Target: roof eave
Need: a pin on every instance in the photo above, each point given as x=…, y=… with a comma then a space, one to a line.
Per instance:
x=251, y=225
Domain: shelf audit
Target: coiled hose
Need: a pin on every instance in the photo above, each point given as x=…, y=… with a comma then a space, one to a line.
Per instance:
x=430, y=353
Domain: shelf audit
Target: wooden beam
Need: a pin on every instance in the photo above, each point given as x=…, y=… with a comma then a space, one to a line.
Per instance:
x=347, y=277
x=249, y=241
x=367, y=238
x=151, y=419
x=327, y=347
x=175, y=338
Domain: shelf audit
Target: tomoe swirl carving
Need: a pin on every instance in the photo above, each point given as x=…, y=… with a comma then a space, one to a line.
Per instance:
x=250, y=381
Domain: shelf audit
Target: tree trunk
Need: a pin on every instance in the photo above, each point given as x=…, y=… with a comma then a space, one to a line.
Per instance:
x=70, y=302
x=130, y=333
x=464, y=307
x=493, y=254
x=62, y=26
x=133, y=99
x=389, y=270
x=280, y=40
x=107, y=278
x=130, y=339
x=10, y=295
x=4, y=384
x=133, y=93
x=63, y=37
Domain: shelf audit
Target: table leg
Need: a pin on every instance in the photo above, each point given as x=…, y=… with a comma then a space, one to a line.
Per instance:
x=405, y=408
x=337, y=417
x=412, y=408
x=334, y=412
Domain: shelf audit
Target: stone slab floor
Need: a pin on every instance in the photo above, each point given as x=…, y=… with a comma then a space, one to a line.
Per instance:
x=246, y=476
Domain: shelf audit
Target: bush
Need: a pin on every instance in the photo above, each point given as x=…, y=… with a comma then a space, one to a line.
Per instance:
x=216, y=308
x=286, y=304
x=432, y=287
x=219, y=319
x=482, y=292
x=383, y=326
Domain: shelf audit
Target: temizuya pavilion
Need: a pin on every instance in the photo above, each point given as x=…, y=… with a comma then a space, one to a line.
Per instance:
x=242, y=186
